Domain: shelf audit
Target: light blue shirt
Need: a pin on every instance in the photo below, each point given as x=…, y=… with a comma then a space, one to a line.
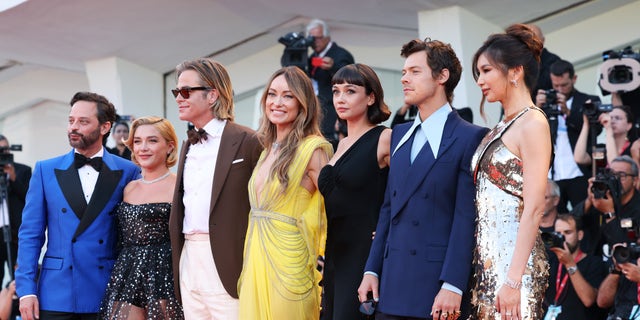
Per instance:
x=431, y=128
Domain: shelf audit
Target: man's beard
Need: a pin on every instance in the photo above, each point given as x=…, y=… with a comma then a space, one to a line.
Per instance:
x=573, y=248
x=85, y=140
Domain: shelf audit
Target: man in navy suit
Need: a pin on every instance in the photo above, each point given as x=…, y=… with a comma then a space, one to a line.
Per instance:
x=420, y=260
x=71, y=200
x=327, y=58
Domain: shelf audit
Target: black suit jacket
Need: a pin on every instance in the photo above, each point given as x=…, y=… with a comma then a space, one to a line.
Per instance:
x=341, y=57
x=17, y=191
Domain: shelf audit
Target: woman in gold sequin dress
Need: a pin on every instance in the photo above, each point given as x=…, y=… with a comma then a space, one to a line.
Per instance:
x=510, y=170
x=287, y=222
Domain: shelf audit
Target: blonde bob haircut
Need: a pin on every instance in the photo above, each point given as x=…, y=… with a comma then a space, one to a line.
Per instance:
x=167, y=132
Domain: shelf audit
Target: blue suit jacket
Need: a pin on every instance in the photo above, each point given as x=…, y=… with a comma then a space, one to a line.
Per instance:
x=80, y=252
x=425, y=233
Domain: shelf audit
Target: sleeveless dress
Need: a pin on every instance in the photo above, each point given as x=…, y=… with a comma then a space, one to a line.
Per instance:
x=142, y=276
x=286, y=233
x=498, y=178
x=353, y=190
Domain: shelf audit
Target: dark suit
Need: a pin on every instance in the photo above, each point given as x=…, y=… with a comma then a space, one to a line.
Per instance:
x=81, y=237
x=229, y=213
x=575, y=190
x=16, y=194
x=341, y=57
x=125, y=154
x=425, y=231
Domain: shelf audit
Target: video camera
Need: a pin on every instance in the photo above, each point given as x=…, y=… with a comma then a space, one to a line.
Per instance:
x=552, y=239
x=5, y=156
x=620, y=71
x=605, y=181
x=296, y=50
x=593, y=110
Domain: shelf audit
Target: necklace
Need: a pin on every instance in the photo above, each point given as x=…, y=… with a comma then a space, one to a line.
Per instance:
x=156, y=179
x=275, y=146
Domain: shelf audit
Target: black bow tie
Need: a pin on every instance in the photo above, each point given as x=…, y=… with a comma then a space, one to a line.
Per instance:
x=80, y=161
x=196, y=136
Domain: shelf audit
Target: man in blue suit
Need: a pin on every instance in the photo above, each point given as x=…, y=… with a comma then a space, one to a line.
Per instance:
x=71, y=199
x=420, y=260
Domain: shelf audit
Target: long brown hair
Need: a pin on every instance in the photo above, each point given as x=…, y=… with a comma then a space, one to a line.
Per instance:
x=305, y=124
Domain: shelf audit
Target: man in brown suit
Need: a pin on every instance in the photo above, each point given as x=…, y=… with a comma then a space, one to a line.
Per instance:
x=210, y=208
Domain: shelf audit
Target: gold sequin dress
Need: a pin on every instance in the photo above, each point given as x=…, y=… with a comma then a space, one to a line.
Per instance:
x=498, y=178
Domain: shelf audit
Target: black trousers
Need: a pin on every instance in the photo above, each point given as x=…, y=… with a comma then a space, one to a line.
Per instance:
x=55, y=315
x=384, y=316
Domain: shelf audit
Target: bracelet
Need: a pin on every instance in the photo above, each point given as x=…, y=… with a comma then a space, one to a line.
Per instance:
x=513, y=284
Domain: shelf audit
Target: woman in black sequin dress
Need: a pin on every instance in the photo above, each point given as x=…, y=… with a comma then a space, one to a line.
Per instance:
x=141, y=285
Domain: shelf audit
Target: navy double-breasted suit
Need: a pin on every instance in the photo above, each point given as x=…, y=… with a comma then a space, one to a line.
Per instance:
x=81, y=237
x=425, y=231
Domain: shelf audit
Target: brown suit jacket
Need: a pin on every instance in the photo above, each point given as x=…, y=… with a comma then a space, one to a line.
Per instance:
x=229, y=213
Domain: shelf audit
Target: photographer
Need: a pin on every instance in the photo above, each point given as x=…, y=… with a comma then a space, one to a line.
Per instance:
x=16, y=180
x=563, y=106
x=602, y=213
x=617, y=124
x=620, y=289
x=326, y=60
x=574, y=276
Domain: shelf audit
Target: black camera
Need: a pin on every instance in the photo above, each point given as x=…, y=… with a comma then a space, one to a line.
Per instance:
x=593, y=110
x=620, y=71
x=606, y=180
x=5, y=156
x=628, y=253
x=551, y=96
x=550, y=107
x=552, y=239
x=296, y=50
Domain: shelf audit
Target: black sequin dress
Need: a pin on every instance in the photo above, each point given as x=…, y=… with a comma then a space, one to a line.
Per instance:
x=142, y=279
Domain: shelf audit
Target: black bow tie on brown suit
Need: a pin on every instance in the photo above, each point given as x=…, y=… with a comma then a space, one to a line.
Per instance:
x=196, y=136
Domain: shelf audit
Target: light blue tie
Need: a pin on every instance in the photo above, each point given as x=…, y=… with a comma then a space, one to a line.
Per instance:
x=418, y=142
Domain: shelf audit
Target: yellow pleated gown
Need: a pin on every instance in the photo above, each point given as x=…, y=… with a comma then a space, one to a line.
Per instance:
x=286, y=233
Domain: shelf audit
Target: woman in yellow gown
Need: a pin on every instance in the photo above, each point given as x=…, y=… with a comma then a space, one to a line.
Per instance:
x=287, y=222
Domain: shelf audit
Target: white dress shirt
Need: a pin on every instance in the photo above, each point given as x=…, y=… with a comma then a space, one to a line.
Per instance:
x=199, y=168
x=564, y=165
x=89, y=176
